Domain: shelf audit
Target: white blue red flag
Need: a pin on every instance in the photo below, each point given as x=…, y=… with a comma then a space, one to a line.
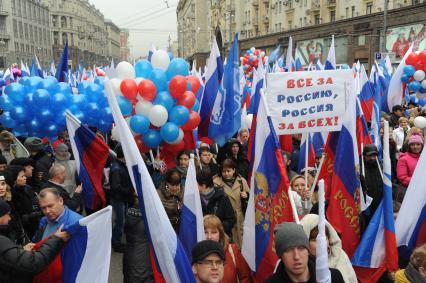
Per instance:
x=395, y=90
x=86, y=257
x=330, y=63
x=213, y=75
x=377, y=250
x=289, y=59
x=191, y=221
x=410, y=224
x=323, y=274
x=169, y=252
x=268, y=202
x=90, y=153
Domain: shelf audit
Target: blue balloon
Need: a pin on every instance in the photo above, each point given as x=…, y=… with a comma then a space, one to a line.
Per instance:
x=20, y=130
x=82, y=87
x=80, y=116
x=139, y=124
x=93, y=110
x=143, y=69
x=196, y=106
x=94, y=92
x=33, y=83
x=22, y=81
x=170, y=55
x=99, y=80
x=59, y=100
x=5, y=103
x=60, y=119
x=414, y=86
x=169, y=132
x=422, y=90
x=107, y=115
x=44, y=115
x=177, y=66
x=48, y=85
x=79, y=101
x=7, y=120
x=34, y=124
x=19, y=114
x=179, y=115
x=159, y=78
x=165, y=99
x=15, y=92
x=344, y=67
x=41, y=97
x=52, y=129
x=63, y=88
x=152, y=138
x=405, y=78
x=125, y=105
x=422, y=102
x=104, y=126
x=409, y=70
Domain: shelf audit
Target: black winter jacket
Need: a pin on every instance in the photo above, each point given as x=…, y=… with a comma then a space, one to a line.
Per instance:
x=136, y=259
x=19, y=266
x=120, y=182
x=281, y=275
x=220, y=206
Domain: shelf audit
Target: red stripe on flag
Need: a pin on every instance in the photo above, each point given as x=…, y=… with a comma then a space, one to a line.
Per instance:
x=286, y=142
x=368, y=275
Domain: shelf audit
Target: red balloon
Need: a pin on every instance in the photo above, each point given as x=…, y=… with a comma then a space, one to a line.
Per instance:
x=193, y=122
x=187, y=100
x=177, y=86
x=174, y=147
x=141, y=146
x=195, y=83
x=129, y=89
x=147, y=90
x=422, y=55
x=412, y=59
x=419, y=65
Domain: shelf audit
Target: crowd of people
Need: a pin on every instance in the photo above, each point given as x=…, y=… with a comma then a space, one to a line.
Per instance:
x=40, y=191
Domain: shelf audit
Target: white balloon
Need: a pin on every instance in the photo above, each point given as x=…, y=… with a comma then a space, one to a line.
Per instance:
x=160, y=59
x=114, y=134
x=115, y=83
x=420, y=95
x=423, y=84
x=179, y=138
x=419, y=75
x=142, y=107
x=420, y=122
x=125, y=70
x=249, y=120
x=158, y=115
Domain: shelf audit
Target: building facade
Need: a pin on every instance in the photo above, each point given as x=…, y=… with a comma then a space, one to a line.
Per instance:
x=113, y=33
x=84, y=26
x=24, y=32
x=124, y=45
x=356, y=24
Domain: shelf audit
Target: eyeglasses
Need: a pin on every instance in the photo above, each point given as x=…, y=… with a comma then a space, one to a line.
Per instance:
x=212, y=263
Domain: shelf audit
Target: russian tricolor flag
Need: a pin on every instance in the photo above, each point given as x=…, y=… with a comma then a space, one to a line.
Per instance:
x=377, y=250
x=169, y=252
x=213, y=76
x=269, y=184
x=90, y=153
x=410, y=225
x=365, y=94
x=330, y=63
x=191, y=221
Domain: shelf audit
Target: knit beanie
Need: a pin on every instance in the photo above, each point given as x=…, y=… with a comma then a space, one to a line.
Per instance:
x=11, y=174
x=289, y=235
x=61, y=147
x=33, y=144
x=415, y=139
x=4, y=208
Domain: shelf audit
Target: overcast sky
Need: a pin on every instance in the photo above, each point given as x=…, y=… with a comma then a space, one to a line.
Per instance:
x=149, y=21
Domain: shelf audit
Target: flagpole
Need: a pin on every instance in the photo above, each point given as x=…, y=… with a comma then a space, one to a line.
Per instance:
x=293, y=206
x=306, y=164
x=317, y=174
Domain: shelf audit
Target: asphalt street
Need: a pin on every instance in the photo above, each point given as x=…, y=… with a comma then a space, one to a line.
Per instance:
x=116, y=268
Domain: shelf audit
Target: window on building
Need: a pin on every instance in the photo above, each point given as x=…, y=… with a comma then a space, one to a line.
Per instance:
x=347, y=12
x=13, y=7
x=353, y=11
x=279, y=27
x=16, y=47
x=290, y=4
x=63, y=22
x=24, y=10
x=300, y=22
x=369, y=9
x=21, y=33
x=64, y=38
x=55, y=38
x=317, y=19
x=27, y=48
x=15, y=27
x=70, y=20
x=55, y=21
x=361, y=40
x=290, y=24
x=19, y=8
x=332, y=16
x=26, y=31
x=22, y=48
x=280, y=7
x=31, y=33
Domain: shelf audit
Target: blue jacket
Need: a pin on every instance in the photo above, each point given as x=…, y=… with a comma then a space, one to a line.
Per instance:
x=69, y=217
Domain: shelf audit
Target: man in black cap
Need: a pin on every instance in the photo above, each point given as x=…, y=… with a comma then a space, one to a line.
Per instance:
x=19, y=264
x=397, y=112
x=208, y=259
x=371, y=179
x=41, y=161
x=292, y=247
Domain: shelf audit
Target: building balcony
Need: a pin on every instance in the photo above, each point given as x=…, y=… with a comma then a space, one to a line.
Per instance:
x=265, y=1
x=316, y=5
x=331, y=3
x=4, y=12
x=255, y=3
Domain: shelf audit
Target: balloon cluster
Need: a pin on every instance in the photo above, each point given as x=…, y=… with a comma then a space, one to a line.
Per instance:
x=158, y=100
x=414, y=75
x=250, y=62
x=36, y=106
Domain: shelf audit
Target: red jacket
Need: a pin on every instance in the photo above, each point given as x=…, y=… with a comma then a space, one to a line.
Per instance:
x=236, y=268
x=405, y=168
